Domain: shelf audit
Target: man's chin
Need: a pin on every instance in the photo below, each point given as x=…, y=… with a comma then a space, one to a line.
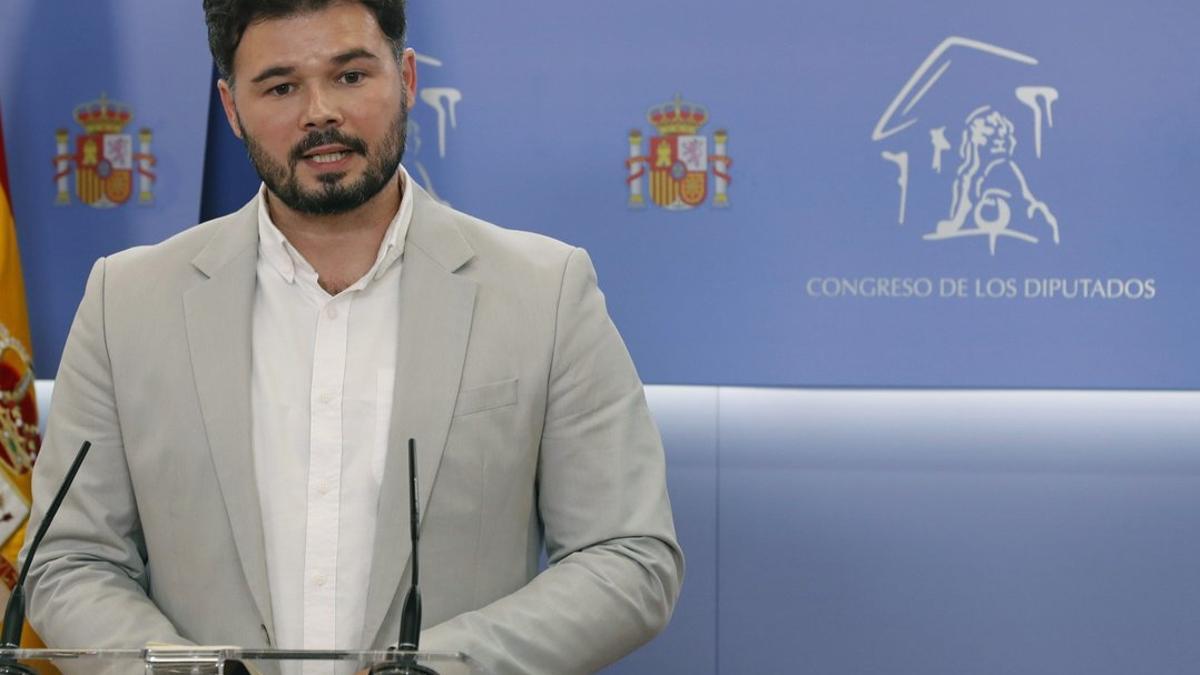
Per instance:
x=330, y=195
x=331, y=177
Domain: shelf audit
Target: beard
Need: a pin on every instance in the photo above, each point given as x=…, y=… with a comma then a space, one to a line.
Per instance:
x=335, y=196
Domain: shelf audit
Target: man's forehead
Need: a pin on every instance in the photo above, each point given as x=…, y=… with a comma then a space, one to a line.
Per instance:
x=310, y=38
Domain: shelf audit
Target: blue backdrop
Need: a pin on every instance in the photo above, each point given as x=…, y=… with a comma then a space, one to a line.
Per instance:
x=124, y=67
x=944, y=195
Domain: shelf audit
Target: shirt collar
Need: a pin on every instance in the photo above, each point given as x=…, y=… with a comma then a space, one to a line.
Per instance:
x=287, y=261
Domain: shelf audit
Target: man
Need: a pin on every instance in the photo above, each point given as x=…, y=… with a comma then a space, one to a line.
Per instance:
x=249, y=386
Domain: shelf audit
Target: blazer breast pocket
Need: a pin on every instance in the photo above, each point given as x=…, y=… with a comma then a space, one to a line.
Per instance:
x=486, y=397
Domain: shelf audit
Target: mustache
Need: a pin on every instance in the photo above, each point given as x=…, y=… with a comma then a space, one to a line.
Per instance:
x=316, y=139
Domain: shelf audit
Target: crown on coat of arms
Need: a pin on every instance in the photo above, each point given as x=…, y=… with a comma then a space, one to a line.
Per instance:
x=103, y=116
x=677, y=117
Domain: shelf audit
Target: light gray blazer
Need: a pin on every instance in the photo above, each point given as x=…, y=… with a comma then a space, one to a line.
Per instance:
x=531, y=426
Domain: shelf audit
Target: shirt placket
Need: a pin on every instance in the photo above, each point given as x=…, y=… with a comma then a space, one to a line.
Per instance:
x=324, y=473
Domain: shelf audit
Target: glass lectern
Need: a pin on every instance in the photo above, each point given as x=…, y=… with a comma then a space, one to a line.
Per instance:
x=226, y=661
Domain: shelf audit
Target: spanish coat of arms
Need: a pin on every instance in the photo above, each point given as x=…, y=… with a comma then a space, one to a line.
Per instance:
x=679, y=159
x=104, y=157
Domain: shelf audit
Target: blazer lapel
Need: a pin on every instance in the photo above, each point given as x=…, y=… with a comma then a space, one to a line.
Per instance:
x=218, y=315
x=436, y=308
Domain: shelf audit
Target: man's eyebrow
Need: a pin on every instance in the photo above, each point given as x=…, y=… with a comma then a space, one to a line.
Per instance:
x=273, y=71
x=348, y=56
x=339, y=60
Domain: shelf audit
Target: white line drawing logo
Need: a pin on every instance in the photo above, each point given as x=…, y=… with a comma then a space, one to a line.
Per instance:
x=444, y=101
x=990, y=195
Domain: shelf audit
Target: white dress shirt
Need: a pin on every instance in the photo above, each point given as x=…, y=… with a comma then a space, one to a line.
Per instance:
x=321, y=399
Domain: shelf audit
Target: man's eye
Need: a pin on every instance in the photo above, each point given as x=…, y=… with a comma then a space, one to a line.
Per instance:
x=280, y=90
x=352, y=77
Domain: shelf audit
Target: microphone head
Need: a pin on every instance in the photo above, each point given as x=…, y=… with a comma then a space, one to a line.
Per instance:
x=14, y=619
x=410, y=621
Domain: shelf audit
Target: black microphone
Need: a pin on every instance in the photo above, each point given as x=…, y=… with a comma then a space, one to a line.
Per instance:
x=14, y=612
x=410, y=614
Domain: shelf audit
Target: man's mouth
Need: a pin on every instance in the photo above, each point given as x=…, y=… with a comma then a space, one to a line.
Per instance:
x=330, y=157
x=328, y=154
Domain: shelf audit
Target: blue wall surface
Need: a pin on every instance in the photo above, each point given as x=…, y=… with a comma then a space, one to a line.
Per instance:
x=931, y=532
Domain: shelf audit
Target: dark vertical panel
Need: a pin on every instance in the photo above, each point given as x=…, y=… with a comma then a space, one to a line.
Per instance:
x=229, y=179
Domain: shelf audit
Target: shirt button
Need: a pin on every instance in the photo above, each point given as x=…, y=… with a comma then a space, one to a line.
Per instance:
x=323, y=487
x=326, y=397
x=320, y=579
x=331, y=312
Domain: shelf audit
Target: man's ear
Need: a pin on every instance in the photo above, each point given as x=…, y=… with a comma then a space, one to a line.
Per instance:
x=226, y=92
x=408, y=75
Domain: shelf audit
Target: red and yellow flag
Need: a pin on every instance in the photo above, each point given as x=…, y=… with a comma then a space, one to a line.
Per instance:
x=18, y=403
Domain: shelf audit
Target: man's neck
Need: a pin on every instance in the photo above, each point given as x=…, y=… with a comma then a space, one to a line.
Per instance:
x=343, y=247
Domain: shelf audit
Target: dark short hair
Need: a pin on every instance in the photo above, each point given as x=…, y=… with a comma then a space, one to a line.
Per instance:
x=228, y=19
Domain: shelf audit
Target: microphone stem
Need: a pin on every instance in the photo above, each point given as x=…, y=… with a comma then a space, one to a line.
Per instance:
x=53, y=510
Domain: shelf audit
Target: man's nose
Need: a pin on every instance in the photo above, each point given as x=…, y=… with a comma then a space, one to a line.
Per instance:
x=322, y=111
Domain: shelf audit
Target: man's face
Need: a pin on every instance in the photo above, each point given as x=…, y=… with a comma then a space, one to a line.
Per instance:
x=321, y=104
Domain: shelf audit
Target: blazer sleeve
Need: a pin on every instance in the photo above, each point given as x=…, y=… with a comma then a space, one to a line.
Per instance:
x=615, y=567
x=87, y=585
